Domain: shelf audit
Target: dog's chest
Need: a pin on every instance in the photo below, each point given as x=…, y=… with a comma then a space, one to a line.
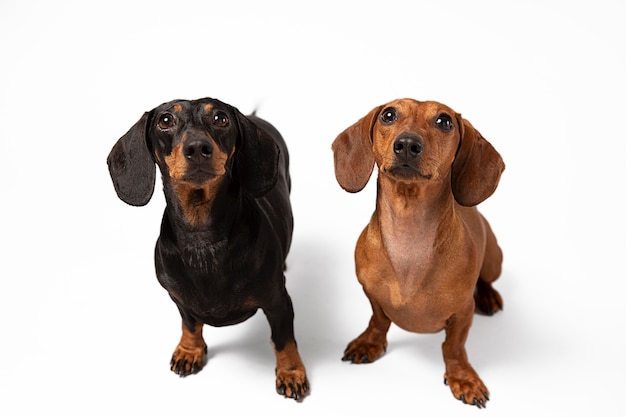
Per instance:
x=203, y=257
x=213, y=279
x=413, y=292
x=193, y=268
x=410, y=272
x=410, y=245
x=213, y=291
x=409, y=253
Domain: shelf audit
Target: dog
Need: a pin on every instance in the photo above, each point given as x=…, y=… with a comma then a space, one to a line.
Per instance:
x=427, y=258
x=227, y=225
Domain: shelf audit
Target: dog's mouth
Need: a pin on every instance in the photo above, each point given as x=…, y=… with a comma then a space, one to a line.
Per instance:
x=203, y=172
x=199, y=175
x=406, y=171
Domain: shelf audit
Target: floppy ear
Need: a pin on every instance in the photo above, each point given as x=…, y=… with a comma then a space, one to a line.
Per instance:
x=354, y=158
x=256, y=158
x=476, y=168
x=131, y=166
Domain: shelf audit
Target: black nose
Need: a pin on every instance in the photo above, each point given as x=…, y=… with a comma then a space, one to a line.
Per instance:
x=198, y=150
x=408, y=146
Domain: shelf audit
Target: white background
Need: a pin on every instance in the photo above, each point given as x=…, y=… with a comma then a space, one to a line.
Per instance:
x=87, y=330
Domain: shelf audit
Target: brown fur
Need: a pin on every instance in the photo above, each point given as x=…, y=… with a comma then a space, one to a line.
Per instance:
x=196, y=199
x=291, y=373
x=177, y=163
x=427, y=256
x=190, y=350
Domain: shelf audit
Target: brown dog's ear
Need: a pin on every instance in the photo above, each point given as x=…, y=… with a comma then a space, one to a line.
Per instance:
x=256, y=158
x=477, y=167
x=131, y=166
x=354, y=158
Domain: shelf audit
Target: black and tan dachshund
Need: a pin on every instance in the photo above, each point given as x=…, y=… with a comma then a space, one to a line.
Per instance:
x=227, y=225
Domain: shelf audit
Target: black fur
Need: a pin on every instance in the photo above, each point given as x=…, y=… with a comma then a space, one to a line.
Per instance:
x=221, y=269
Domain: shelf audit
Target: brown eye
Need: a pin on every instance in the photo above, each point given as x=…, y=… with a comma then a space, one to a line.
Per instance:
x=389, y=115
x=166, y=121
x=444, y=122
x=221, y=119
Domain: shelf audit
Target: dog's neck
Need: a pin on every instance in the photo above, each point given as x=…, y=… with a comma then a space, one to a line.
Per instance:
x=416, y=205
x=195, y=206
x=198, y=227
x=410, y=215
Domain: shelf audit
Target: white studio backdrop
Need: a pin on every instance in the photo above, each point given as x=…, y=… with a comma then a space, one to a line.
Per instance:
x=86, y=328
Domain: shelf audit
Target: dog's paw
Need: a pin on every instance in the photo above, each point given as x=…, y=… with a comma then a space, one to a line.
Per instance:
x=359, y=351
x=487, y=299
x=470, y=390
x=188, y=361
x=292, y=383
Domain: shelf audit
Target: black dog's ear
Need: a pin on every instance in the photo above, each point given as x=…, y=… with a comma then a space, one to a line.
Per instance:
x=131, y=166
x=256, y=158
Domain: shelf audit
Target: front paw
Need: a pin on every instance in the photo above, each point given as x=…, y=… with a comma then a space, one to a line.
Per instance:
x=292, y=383
x=187, y=361
x=361, y=351
x=469, y=389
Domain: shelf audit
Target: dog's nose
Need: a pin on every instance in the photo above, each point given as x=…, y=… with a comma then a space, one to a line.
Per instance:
x=408, y=146
x=198, y=150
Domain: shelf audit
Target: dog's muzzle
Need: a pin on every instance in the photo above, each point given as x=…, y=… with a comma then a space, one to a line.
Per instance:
x=198, y=153
x=408, y=148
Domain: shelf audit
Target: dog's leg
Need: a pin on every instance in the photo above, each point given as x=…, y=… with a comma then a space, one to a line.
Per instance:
x=291, y=379
x=372, y=343
x=189, y=356
x=487, y=299
x=463, y=380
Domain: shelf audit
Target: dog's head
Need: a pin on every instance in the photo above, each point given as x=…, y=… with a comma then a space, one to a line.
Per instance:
x=413, y=141
x=196, y=144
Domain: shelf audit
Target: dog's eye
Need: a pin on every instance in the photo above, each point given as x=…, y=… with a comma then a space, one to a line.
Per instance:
x=389, y=115
x=166, y=121
x=444, y=122
x=221, y=119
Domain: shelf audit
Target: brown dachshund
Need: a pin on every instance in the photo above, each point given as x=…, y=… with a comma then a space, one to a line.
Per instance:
x=427, y=257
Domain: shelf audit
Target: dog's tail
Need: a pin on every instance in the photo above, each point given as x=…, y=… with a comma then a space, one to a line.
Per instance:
x=256, y=109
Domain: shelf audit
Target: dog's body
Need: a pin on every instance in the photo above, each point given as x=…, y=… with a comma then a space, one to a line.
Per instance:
x=427, y=256
x=227, y=227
